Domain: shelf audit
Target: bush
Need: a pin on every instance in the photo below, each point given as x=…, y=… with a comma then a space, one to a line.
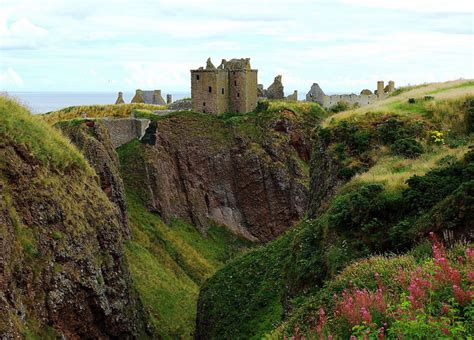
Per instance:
x=411, y=100
x=470, y=115
x=407, y=147
x=324, y=135
x=433, y=300
x=262, y=106
x=340, y=106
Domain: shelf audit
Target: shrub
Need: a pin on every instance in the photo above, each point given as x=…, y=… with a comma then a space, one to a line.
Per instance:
x=324, y=135
x=433, y=300
x=340, y=106
x=411, y=100
x=427, y=98
x=262, y=106
x=436, y=137
x=407, y=147
x=470, y=114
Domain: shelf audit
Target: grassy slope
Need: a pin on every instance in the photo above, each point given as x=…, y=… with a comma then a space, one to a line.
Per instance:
x=169, y=262
x=299, y=260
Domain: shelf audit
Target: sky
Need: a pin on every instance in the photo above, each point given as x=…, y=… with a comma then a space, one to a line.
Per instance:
x=344, y=45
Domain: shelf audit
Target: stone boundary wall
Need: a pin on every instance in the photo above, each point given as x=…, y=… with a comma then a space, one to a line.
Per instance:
x=123, y=130
x=350, y=99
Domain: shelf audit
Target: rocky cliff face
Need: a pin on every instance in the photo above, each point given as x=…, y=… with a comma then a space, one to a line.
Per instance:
x=62, y=270
x=206, y=171
x=93, y=140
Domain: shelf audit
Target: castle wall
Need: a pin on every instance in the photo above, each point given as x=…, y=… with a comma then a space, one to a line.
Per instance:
x=123, y=130
x=251, y=86
x=219, y=90
x=350, y=99
x=209, y=100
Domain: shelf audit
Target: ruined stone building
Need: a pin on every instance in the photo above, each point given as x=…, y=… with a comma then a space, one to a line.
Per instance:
x=148, y=97
x=275, y=91
x=230, y=87
x=365, y=97
x=145, y=97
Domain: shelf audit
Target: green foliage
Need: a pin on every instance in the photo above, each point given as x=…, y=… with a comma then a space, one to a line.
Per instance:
x=339, y=106
x=24, y=130
x=245, y=298
x=407, y=147
x=262, y=105
x=470, y=114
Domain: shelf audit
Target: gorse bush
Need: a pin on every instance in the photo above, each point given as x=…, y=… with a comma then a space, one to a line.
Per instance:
x=407, y=147
x=432, y=300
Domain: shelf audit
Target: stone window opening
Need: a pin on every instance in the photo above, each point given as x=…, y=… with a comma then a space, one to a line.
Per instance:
x=197, y=76
x=204, y=104
x=222, y=90
x=210, y=89
x=235, y=82
x=238, y=94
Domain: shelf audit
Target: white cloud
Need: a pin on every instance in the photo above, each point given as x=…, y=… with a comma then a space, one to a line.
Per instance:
x=10, y=79
x=418, y=5
x=156, y=75
x=21, y=34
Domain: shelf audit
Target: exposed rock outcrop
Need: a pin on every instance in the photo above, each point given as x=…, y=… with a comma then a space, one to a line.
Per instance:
x=93, y=140
x=206, y=172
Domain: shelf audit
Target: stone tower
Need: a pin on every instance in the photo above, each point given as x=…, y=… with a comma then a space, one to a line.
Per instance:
x=380, y=88
x=230, y=87
x=391, y=86
x=120, y=99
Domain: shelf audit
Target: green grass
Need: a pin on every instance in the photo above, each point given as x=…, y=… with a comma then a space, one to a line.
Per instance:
x=24, y=130
x=168, y=263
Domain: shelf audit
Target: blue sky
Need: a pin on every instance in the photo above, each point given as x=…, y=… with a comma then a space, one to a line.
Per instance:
x=344, y=45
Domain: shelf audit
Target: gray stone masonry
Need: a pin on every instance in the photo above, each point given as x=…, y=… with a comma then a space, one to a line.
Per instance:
x=123, y=130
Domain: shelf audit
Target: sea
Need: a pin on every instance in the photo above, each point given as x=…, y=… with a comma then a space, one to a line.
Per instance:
x=42, y=102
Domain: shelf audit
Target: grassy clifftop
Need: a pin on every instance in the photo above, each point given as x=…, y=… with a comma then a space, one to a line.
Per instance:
x=97, y=111
x=383, y=176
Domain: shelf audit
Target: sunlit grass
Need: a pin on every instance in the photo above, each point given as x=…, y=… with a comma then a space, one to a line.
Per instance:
x=97, y=111
x=19, y=127
x=447, y=91
x=393, y=171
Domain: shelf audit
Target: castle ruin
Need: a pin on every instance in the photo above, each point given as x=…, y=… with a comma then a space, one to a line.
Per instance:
x=365, y=97
x=146, y=97
x=230, y=87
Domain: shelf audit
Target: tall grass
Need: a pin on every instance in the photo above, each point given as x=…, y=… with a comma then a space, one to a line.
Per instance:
x=393, y=171
x=97, y=111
